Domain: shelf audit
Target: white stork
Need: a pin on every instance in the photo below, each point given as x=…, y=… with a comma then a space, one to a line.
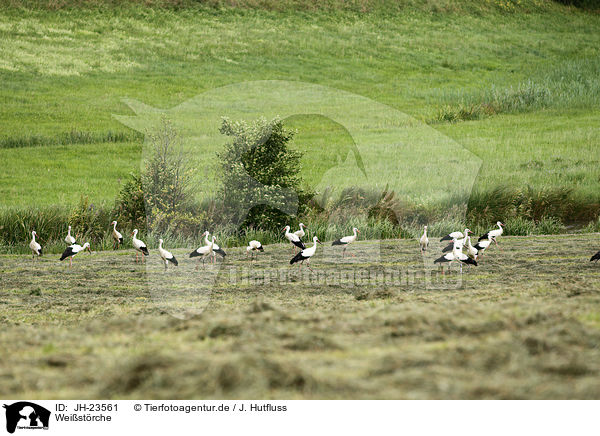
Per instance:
x=117, y=237
x=72, y=251
x=481, y=246
x=455, y=235
x=494, y=233
x=347, y=240
x=472, y=252
x=595, y=257
x=254, y=246
x=294, y=239
x=139, y=245
x=205, y=251
x=455, y=255
x=300, y=233
x=461, y=242
x=306, y=254
x=424, y=241
x=36, y=248
x=216, y=248
x=166, y=255
x=70, y=240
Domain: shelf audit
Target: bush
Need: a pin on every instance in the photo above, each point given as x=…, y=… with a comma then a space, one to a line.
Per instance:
x=260, y=178
x=89, y=222
x=129, y=207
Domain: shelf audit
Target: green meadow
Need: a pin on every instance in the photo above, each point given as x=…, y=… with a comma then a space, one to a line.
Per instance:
x=516, y=84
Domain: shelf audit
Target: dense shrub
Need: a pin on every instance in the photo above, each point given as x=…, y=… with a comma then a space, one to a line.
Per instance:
x=260, y=182
x=89, y=223
x=129, y=208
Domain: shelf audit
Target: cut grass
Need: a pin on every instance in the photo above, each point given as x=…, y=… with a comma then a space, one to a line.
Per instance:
x=522, y=326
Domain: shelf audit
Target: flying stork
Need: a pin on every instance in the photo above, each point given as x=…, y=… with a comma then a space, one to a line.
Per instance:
x=166, y=256
x=254, y=246
x=36, y=248
x=294, y=239
x=306, y=254
x=117, y=237
x=72, y=251
x=347, y=240
x=70, y=240
x=139, y=246
x=424, y=241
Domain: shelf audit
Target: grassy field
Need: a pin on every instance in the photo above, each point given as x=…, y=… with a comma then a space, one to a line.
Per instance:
x=523, y=324
x=68, y=70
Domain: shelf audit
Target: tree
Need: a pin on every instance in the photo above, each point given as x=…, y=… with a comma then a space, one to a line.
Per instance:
x=167, y=184
x=260, y=178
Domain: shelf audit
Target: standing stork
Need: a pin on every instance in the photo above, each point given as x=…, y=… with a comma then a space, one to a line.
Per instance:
x=140, y=246
x=300, y=233
x=205, y=251
x=455, y=255
x=216, y=248
x=460, y=241
x=424, y=241
x=254, y=246
x=481, y=246
x=455, y=235
x=306, y=254
x=495, y=233
x=347, y=240
x=70, y=240
x=166, y=255
x=595, y=257
x=294, y=239
x=117, y=237
x=72, y=251
x=36, y=248
x=472, y=252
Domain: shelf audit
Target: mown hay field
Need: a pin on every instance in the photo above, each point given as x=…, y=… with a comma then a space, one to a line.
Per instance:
x=523, y=324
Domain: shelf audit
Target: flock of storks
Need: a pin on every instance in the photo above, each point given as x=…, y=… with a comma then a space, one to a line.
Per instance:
x=460, y=248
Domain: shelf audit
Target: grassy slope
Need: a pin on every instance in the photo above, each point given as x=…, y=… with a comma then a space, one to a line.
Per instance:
x=524, y=325
x=69, y=69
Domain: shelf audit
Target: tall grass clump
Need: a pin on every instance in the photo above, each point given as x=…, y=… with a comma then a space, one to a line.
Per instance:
x=574, y=84
x=528, y=203
x=69, y=138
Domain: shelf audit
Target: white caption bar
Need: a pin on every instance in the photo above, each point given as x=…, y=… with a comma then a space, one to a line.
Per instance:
x=298, y=417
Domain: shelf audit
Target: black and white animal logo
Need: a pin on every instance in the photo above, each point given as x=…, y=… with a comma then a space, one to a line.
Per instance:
x=26, y=415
